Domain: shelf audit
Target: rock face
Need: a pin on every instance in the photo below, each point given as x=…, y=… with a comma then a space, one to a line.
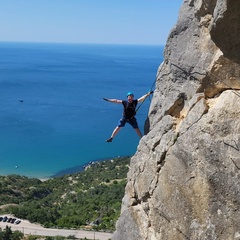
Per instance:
x=184, y=180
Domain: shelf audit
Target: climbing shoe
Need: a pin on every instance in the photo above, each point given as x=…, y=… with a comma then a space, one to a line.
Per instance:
x=109, y=140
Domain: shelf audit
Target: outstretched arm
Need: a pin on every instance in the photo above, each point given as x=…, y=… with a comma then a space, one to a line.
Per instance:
x=141, y=99
x=112, y=100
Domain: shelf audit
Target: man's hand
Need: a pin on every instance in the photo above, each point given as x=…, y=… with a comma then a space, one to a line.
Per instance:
x=106, y=99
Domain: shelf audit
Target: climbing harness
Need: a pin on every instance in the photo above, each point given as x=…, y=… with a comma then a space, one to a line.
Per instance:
x=129, y=109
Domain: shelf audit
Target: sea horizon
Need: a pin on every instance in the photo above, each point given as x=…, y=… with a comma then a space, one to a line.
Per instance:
x=53, y=118
x=83, y=43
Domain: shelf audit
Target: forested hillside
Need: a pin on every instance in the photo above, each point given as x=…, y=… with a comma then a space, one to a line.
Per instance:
x=92, y=197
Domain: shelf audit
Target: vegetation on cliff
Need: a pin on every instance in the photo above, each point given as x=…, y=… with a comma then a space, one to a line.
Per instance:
x=92, y=197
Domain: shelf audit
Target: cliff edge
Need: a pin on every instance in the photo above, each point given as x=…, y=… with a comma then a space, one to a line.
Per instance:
x=184, y=180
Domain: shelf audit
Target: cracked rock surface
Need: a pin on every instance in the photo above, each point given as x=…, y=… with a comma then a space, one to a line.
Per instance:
x=184, y=180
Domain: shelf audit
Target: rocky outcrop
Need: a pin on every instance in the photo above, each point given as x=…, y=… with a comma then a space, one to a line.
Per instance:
x=184, y=180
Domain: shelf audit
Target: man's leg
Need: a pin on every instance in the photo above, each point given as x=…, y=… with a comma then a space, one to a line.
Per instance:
x=134, y=124
x=138, y=132
x=114, y=133
x=121, y=124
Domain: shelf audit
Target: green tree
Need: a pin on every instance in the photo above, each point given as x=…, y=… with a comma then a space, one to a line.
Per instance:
x=17, y=235
x=7, y=233
x=32, y=237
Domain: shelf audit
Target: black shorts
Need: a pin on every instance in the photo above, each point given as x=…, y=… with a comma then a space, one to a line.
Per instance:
x=132, y=122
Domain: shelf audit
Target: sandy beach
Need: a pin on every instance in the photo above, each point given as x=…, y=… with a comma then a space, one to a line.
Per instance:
x=36, y=229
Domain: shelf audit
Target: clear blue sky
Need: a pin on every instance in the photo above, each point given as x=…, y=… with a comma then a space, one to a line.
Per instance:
x=88, y=21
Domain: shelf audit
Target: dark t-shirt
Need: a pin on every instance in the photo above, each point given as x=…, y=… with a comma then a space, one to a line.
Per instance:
x=129, y=109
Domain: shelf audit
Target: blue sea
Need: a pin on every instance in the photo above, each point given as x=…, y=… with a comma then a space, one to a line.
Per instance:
x=53, y=119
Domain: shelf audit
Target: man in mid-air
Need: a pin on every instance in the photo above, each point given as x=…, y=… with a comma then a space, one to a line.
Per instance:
x=129, y=112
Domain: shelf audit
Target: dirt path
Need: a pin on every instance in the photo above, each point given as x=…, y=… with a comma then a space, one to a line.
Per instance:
x=35, y=229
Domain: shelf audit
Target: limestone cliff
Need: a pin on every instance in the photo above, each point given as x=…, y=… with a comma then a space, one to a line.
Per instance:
x=184, y=180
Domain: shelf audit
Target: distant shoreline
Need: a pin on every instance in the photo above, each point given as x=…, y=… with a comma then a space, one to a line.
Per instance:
x=72, y=170
x=79, y=168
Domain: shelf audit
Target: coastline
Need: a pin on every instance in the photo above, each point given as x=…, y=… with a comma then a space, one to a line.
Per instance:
x=79, y=168
x=71, y=170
